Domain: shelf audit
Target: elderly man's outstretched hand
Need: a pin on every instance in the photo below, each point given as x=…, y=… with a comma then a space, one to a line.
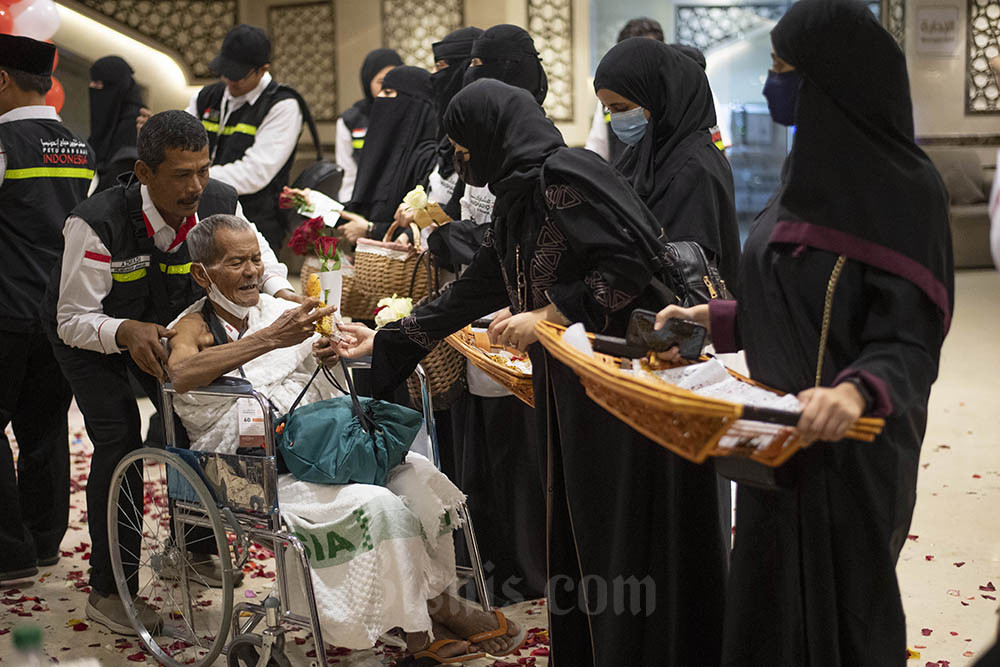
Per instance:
x=296, y=324
x=326, y=352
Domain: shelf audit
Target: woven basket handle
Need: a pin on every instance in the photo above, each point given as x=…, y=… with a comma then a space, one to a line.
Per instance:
x=414, y=231
x=771, y=416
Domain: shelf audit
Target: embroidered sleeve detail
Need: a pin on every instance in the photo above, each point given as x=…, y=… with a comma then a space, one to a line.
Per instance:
x=489, y=238
x=412, y=330
x=612, y=299
x=549, y=249
x=562, y=197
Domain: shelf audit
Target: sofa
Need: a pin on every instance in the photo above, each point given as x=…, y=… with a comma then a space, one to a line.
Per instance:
x=968, y=183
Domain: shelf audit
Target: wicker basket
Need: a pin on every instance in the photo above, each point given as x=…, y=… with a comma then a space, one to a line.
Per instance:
x=385, y=267
x=692, y=426
x=354, y=303
x=445, y=369
x=475, y=346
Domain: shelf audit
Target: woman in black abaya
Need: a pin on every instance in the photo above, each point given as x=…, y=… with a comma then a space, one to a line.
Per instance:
x=399, y=154
x=452, y=56
x=115, y=101
x=491, y=428
x=813, y=577
x=636, y=558
x=352, y=126
x=661, y=104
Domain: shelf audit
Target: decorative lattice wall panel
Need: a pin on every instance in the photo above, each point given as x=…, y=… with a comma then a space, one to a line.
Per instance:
x=982, y=94
x=304, y=54
x=411, y=26
x=706, y=26
x=550, y=23
x=894, y=19
x=193, y=29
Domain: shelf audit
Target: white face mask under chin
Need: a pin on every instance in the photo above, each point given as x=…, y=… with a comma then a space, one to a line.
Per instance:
x=219, y=299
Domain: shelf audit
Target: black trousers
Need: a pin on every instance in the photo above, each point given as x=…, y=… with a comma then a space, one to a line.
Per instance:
x=34, y=399
x=100, y=383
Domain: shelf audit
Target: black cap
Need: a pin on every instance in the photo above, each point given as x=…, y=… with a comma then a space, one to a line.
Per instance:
x=245, y=47
x=26, y=54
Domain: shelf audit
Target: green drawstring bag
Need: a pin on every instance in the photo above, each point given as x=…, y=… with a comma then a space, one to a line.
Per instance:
x=345, y=439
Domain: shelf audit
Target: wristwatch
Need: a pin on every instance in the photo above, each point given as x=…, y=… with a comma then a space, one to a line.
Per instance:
x=862, y=388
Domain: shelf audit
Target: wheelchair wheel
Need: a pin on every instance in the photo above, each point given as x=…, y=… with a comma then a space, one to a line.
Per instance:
x=160, y=516
x=244, y=651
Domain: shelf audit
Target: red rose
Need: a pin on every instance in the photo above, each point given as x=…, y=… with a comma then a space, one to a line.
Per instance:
x=326, y=246
x=286, y=199
x=313, y=227
x=299, y=243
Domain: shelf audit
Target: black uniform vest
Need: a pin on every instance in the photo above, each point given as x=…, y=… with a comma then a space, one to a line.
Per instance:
x=229, y=144
x=115, y=215
x=49, y=170
x=357, y=124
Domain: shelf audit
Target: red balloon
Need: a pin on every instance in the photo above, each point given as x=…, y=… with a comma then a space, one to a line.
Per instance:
x=6, y=20
x=56, y=96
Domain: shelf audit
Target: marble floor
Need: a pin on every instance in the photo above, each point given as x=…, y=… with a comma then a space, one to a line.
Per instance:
x=949, y=570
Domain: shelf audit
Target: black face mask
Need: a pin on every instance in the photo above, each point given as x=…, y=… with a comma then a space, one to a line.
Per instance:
x=465, y=172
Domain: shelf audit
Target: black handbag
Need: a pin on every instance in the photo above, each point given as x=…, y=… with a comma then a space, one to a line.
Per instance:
x=693, y=278
x=322, y=175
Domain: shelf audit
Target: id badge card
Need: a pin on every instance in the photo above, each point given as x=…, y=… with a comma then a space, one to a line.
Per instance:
x=251, y=417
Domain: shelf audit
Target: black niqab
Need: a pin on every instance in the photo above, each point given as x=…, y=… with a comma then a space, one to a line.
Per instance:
x=855, y=182
x=509, y=55
x=113, y=108
x=401, y=147
x=676, y=168
x=456, y=50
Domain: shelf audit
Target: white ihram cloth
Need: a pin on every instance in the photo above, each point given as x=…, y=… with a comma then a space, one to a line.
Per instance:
x=377, y=554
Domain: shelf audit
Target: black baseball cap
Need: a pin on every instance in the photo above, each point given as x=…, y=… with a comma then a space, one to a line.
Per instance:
x=245, y=47
x=26, y=54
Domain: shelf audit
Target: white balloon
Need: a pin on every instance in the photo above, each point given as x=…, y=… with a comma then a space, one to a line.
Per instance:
x=37, y=19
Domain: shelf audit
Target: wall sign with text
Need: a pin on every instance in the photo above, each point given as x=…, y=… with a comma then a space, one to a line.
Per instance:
x=938, y=31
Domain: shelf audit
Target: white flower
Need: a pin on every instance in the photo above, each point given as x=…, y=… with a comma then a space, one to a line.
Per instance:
x=416, y=198
x=392, y=309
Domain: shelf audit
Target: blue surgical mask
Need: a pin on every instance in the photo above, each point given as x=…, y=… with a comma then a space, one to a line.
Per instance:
x=782, y=93
x=630, y=126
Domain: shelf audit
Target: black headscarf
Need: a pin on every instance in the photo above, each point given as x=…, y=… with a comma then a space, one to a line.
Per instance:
x=401, y=147
x=508, y=54
x=514, y=146
x=855, y=182
x=375, y=62
x=676, y=169
x=456, y=50
x=692, y=52
x=113, y=108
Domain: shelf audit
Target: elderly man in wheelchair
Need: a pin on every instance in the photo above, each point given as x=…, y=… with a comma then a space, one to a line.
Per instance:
x=364, y=561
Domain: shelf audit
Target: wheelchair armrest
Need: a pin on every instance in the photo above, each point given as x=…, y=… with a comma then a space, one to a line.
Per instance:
x=226, y=385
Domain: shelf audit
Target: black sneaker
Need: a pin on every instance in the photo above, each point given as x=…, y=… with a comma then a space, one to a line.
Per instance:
x=48, y=561
x=18, y=575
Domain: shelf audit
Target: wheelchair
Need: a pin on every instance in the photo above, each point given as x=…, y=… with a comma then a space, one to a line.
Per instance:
x=164, y=503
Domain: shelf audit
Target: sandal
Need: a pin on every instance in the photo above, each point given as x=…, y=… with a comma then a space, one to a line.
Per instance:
x=429, y=656
x=501, y=631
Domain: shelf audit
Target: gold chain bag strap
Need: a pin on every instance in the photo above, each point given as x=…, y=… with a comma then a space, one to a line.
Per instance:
x=831, y=287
